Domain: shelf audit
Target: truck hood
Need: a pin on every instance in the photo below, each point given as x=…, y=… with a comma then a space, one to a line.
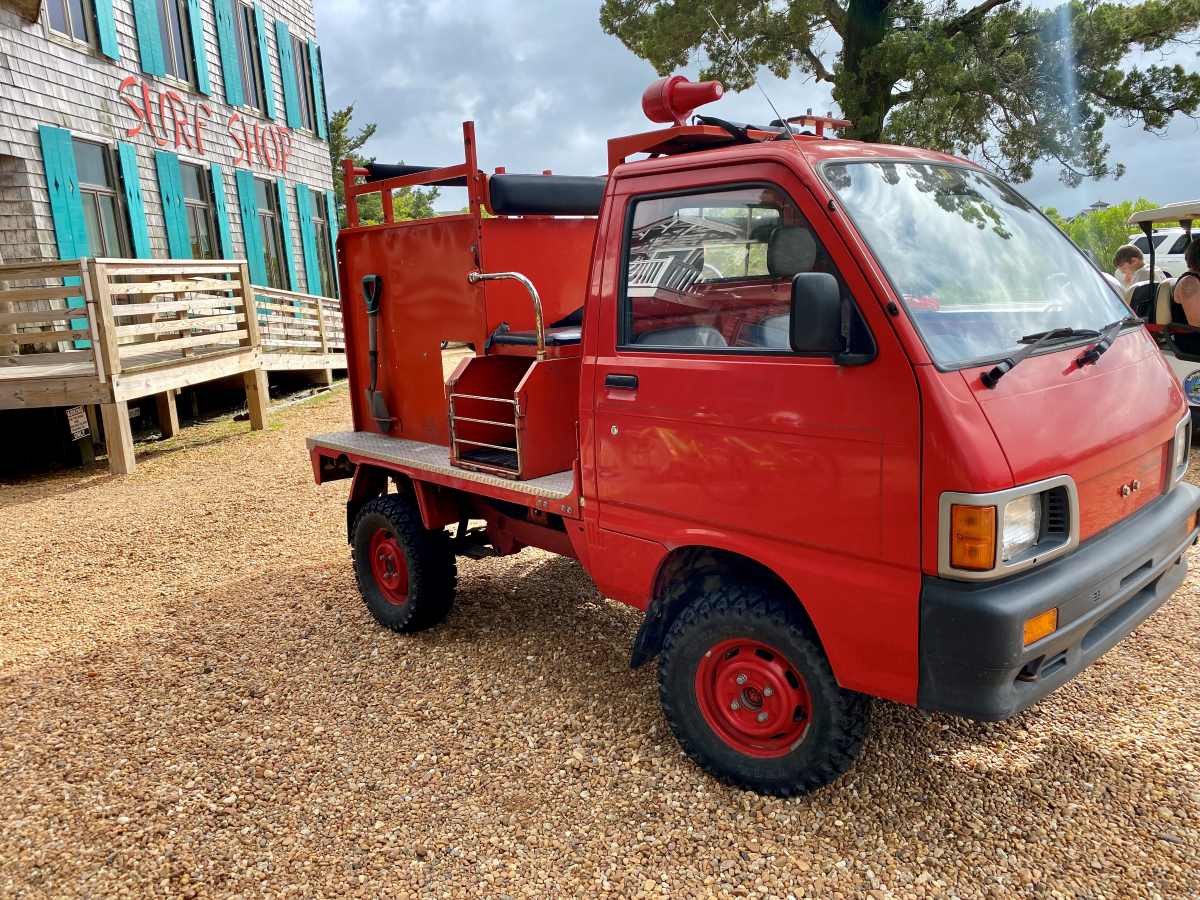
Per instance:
x=1107, y=425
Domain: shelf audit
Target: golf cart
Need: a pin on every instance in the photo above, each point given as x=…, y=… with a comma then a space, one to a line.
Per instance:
x=1152, y=301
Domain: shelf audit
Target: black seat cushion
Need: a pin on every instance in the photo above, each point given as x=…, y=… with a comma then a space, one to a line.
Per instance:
x=545, y=195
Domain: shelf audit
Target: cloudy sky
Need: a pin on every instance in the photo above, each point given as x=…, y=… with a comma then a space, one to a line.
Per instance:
x=547, y=87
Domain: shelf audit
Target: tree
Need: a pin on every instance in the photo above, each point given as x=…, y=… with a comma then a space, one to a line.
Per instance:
x=1003, y=82
x=1100, y=232
x=407, y=203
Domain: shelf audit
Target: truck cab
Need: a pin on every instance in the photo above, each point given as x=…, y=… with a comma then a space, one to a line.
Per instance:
x=747, y=385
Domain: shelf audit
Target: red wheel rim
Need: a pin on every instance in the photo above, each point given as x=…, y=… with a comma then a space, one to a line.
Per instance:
x=388, y=567
x=753, y=698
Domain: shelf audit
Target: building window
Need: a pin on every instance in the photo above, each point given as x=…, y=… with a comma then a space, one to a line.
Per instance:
x=73, y=18
x=103, y=211
x=252, y=73
x=304, y=82
x=324, y=254
x=175, y=31
x=198, y=207
x=267, y=201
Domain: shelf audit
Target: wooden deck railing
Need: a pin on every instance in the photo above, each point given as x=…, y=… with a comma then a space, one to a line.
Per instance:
x=299, y=323
x=159, y=312
x=38, y=330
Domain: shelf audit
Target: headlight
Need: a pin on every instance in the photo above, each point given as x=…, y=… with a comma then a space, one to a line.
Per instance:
x=1004, y=532
x=1022, y=525
x=1180, y=447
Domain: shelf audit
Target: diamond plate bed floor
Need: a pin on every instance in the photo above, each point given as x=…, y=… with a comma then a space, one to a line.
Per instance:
x=436, y=458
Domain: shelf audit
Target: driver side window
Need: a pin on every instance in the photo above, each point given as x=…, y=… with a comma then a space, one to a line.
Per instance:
x=712, y=271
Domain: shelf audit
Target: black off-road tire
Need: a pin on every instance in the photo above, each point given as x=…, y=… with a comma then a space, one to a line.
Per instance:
x=431, y=571
x=727, y=611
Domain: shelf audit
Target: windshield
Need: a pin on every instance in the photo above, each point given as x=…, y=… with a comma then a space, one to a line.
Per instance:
x=976, y=265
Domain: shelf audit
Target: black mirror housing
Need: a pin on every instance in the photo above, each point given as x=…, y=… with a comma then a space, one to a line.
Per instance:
x=816, y=320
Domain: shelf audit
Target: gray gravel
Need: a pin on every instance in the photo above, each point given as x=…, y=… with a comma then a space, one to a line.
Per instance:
x=193, y=701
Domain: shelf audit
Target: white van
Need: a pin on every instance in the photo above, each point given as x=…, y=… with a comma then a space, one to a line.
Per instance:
x=1169, y=244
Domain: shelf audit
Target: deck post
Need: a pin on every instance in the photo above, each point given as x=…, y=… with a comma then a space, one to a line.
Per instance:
x=322, y=376
x=118, y=437
x=168, y=415
x=257, y=397
x=106, y=325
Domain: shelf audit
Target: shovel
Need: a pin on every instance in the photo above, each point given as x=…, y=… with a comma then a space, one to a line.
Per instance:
x=373, y=294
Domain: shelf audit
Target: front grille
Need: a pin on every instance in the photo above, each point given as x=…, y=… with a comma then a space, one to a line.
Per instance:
x=1056, y=515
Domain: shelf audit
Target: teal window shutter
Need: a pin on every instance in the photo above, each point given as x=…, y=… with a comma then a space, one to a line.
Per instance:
x=314, y=61
x=221, y=212
x=285, y=225
x=66, y=206
x=106, y=29
x=149, y=37
x=196, y=24
x=231, y=66
x=174, y=213
x=287, y=74
x=251, y=229
x=131, y=188
x=264, y=58
x=308, y=238
x=332, y=218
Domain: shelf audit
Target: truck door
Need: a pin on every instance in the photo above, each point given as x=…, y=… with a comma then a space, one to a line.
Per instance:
x=709, y=430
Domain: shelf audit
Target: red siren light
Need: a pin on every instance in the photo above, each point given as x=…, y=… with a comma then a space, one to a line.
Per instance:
x=672, y=99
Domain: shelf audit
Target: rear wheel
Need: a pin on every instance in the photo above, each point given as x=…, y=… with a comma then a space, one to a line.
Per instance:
x=405, y=572
x=749, y=694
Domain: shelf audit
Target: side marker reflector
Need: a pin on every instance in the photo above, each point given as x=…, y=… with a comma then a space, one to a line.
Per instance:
x=1041, y=625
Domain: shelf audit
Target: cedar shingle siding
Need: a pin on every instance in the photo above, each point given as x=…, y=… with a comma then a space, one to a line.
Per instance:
x=48, y=81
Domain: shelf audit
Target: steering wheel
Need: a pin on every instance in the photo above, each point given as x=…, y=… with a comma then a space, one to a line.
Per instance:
x=716, y=271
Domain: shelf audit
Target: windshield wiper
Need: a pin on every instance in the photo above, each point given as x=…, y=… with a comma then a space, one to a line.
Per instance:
x=1108, y=334
x=1032, y=342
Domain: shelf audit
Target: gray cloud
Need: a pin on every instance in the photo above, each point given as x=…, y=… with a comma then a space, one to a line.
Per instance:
x=547, y=88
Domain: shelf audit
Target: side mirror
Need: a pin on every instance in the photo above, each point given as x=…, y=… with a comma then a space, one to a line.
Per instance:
x=816, y=314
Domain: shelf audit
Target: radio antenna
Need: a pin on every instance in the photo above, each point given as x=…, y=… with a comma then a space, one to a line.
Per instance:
x=787, y=126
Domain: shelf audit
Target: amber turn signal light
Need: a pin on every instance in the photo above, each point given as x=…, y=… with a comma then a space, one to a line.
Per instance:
x=1041, y=625
x=972, y=537
x=1191, y=525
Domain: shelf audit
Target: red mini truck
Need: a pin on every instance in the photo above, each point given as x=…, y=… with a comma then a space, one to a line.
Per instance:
x=844, y=420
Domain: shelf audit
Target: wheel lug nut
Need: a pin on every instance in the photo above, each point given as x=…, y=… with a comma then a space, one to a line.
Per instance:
x=762, y=717
x=741, y=679
x=735, y=705
x=767, y=692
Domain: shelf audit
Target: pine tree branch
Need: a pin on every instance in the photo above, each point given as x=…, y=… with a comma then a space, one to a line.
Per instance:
x=819, y=71
x=971, y=17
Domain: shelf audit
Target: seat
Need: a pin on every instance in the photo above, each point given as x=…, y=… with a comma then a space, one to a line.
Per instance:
x=683, y=336
x=1162, y=302
x=791, y=249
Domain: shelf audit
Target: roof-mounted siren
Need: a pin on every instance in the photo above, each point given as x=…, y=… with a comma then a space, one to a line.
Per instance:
x=674, y=98
x=818, y=123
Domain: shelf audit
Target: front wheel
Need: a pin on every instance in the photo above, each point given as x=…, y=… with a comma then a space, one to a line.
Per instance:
x=405, y=572
x=749, y=694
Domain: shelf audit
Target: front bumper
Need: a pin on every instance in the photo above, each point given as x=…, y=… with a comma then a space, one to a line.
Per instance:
x=972, y=659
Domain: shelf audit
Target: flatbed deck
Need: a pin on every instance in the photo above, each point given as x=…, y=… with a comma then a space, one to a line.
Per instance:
x=434, y=459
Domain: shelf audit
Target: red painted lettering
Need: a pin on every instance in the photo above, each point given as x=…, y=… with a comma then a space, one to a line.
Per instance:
x=179, y=120
x=231, y=126
x=126, y=83
x=270, y=154
x=201, y=108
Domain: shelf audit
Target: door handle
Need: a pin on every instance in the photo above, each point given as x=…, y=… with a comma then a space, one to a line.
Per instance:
x=621, y=382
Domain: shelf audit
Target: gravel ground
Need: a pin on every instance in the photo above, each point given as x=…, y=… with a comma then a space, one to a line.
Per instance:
x=193, y=701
